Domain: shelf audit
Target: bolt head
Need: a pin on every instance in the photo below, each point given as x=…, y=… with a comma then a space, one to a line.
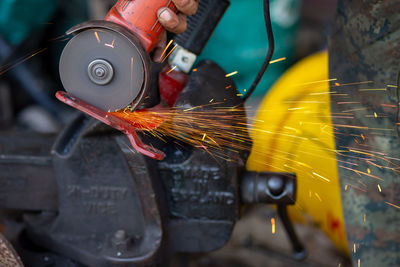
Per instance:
x=121, y=240
x=120, y=235
x=100, y=72
x=276, y=186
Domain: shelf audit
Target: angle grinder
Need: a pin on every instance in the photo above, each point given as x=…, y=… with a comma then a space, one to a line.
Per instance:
x=106, y=66
x=107, y=62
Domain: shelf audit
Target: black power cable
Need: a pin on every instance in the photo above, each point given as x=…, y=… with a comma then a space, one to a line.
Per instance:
x=271, y=47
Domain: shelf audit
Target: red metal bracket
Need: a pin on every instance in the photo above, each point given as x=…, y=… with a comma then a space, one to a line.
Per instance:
x=116, y=122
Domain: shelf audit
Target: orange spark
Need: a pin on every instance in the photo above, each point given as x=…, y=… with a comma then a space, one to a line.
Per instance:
x=110, y=45
x=319, y=198
x=11, y=66
x=175, y=46
x=97, y=37
x=218, y=131
x=231, y=74
x=166, y=48
x=354, y=102
x=320, y=176
x=273, y=225
x=321, y=81
x=172, y=69
x=277, y=60
x=360, y=172
x=393, y=205
x=377, y=89
x=357, y=83
x=379, y=188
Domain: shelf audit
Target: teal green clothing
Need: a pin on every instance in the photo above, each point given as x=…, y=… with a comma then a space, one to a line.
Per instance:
x=240, y=42
x=18, y=18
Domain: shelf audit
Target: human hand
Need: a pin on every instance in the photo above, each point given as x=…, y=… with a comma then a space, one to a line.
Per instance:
x=172, y=22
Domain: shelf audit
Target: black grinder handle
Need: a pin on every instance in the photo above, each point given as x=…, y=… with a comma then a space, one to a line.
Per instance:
x=201, y=25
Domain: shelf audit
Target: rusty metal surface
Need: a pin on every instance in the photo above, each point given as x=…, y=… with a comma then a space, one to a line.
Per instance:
x=365, y=60
x=8, y=257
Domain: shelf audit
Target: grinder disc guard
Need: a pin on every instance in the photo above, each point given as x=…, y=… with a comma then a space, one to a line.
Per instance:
x=104, y=68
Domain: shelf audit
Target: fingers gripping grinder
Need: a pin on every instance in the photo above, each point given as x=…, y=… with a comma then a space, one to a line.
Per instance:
x=106, y=66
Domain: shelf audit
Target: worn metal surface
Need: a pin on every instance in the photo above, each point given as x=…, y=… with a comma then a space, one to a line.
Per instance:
x=27, y=178
x=203, y=190
x=8, y=257
x=364, y=47
x=103, y=188
x=112, y=205
x=269, y=188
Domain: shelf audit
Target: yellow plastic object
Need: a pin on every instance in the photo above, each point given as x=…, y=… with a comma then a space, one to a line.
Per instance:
x=293, y=133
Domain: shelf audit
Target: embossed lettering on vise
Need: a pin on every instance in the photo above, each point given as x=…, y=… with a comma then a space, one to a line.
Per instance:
x=195, y=184
x=195, y=189
x=98, y=199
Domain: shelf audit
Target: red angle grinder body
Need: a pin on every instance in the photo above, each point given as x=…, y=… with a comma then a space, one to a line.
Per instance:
x=140, y=17
x=105, y=68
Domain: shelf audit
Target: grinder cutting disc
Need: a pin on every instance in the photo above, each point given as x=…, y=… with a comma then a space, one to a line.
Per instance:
x=104, y=68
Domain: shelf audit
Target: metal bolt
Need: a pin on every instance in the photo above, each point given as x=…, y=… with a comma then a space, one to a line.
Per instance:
x=120, y=235
x=100, y=72
x=121, y=240
x=185, y=59
x=276, y=185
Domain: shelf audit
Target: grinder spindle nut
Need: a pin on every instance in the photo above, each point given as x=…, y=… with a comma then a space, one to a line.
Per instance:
x=100, y=71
